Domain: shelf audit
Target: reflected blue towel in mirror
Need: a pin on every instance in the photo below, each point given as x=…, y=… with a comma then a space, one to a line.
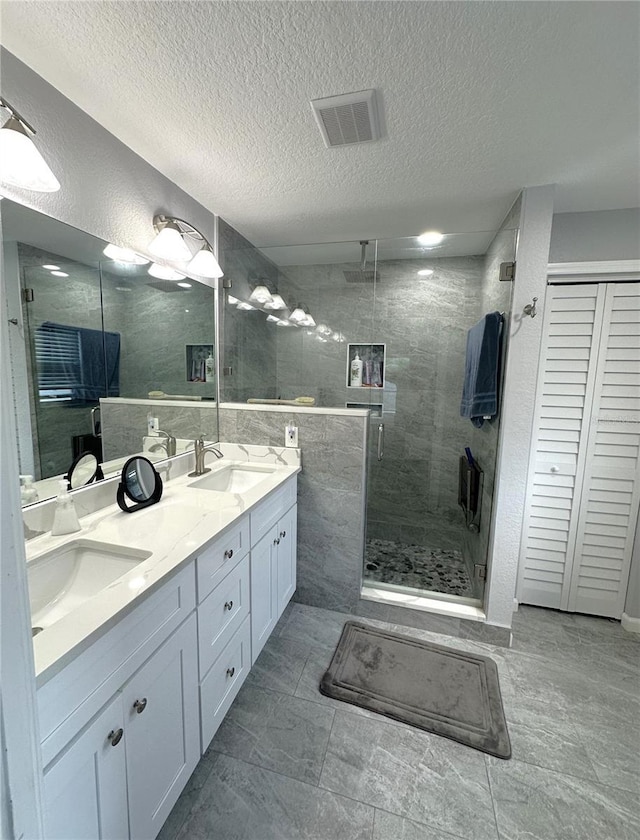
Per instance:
x=480, y=388
x=87, y=362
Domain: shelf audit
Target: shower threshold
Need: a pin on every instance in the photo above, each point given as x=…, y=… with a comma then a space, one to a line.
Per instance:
x=417, y=599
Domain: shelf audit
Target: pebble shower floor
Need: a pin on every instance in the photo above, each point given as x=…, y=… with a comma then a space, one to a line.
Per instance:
x=417, y=567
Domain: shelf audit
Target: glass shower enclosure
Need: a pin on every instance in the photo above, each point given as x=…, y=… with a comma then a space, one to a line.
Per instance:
x=388, y=332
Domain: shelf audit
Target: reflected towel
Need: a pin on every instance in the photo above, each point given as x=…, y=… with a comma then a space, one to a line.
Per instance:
x=480, y=389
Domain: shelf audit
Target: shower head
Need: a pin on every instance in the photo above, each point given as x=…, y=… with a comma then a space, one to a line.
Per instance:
x=362, y=276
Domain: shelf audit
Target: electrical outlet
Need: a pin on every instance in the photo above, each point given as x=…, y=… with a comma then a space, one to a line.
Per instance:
x=291, y=436
x=152, y=424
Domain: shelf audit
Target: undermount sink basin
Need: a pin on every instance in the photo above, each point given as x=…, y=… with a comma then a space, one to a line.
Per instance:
x=233, y=478
x=65, y=577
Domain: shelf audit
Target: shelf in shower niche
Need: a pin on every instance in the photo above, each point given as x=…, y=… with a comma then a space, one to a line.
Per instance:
x=365, y=365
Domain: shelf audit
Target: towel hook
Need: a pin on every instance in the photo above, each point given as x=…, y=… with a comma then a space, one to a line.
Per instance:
x=530, y=308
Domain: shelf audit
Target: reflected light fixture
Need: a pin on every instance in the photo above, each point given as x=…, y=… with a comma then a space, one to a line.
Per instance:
x=60, y=273
x=431, y=238
x=244, y=306
x=273, y=319
x=276, y=302
x=425, y=272
x=260, y=295
x=184, y=285
x=164, y=272
x=21, y=164
x=298, y=316
x=124, y=255
x=52, y=267
x=232, y=300
x=308, y=321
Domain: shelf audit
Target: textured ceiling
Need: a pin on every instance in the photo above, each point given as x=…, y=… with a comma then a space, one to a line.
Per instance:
x=478, y=100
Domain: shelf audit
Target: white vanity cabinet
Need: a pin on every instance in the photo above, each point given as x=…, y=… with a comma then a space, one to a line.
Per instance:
x=273, y=562
x=122, y=771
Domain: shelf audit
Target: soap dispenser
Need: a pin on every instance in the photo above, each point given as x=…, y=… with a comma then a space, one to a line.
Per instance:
x=356, y=372
x=28, y=492
x=65, y=518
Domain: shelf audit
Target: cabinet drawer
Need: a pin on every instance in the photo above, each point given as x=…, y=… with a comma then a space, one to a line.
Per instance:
x=215, y=562
x=222, y=613
x=72, y=697
x=223, y=682
x=266, y=514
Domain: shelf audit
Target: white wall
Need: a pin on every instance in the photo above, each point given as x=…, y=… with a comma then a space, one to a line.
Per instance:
x=519, y=396
x=599, y=235
x=632, y=604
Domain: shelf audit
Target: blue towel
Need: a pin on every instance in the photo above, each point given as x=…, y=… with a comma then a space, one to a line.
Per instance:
x=480, y=389
x=95, y=372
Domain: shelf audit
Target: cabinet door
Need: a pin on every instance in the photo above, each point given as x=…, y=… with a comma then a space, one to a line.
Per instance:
x=286, y=581
x=162, y=725
x=85, y=788
x=264, y=603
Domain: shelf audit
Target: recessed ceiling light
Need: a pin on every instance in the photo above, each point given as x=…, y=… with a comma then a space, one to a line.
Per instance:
x=431, y=237
x=60, y=273
x=184, y=285
x=425, y=272
x=52, y=267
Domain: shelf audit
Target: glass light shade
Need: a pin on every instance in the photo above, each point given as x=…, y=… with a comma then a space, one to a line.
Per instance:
x=232, y=300
x=163, y=272
x=204, y=264
x=431, y=237
x=282, y=323
x=323, y=329
x=21, y=164
x=245, y=306
x=260, y=295
x=298, y=316
x=273, y=319
x=276, y=302
x=124, y=255
x=169, y=245
x=308, y=321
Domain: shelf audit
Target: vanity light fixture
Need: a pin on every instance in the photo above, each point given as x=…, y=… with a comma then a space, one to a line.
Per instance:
x=425, y=272
x=276, y=302
x=124, y=255
x=244, y=306
x=282, y=323
x=180, y=242
x=308, y=321
x=430, y=238
x=21, y=164
x=299, y=316
x=260, y=295
x=204, y=264
x=163, y=272
x=273, y=319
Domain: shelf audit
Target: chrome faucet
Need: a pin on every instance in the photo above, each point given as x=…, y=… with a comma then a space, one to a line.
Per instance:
x=169, y=445
x=200, y=450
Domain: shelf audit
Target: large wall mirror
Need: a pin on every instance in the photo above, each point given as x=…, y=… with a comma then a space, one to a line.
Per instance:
x=83, y=328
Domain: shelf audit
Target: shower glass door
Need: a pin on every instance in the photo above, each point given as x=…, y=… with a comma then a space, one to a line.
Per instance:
x=419, y=540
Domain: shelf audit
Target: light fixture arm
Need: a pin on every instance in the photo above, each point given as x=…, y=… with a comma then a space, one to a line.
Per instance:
x=4, y=104
x=160, y=221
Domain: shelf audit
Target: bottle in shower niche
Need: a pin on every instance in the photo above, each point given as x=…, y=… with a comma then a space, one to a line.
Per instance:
x=209, y=369
x=356, y=372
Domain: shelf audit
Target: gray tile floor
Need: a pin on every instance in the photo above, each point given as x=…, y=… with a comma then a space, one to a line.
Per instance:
x=290, y=764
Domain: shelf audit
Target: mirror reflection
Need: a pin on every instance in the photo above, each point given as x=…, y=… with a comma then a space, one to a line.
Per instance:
x=85, y=328
x=84, y=469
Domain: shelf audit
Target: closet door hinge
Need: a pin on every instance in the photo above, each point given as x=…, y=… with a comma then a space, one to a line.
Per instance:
x=507, y=271
x=27, y=295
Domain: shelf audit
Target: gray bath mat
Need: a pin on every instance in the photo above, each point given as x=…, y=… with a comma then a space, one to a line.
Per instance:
x=445, y=691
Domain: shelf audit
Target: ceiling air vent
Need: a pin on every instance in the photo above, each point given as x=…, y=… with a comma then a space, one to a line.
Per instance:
x=348, y=118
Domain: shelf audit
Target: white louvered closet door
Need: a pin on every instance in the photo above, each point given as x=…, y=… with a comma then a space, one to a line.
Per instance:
x=583, y=484
x=611, y=484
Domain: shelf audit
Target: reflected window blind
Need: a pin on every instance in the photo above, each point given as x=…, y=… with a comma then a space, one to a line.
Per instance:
x=58, y=361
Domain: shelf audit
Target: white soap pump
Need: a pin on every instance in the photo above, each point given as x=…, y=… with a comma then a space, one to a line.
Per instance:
x=65, y=518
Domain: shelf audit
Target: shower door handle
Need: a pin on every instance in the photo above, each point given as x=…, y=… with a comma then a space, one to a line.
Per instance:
x=380, y=441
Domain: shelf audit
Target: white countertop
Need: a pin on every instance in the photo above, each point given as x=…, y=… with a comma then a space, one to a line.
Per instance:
x=174, y=530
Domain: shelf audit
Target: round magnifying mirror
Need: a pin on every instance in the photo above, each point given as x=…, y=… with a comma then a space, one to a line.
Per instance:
x=139, y=482
x=84, y=469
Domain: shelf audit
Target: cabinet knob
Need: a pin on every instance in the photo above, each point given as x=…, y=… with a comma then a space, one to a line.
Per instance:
x=230, y=672
x=115, y=736
x=554, y=469
x=228, y=605
x=228, y=554
x=283, y=534
x=140, y=705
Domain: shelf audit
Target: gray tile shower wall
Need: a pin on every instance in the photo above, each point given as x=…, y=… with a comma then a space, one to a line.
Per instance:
x=330, y=495
x=248, y=342
x=124, y=423
x=423, y=323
